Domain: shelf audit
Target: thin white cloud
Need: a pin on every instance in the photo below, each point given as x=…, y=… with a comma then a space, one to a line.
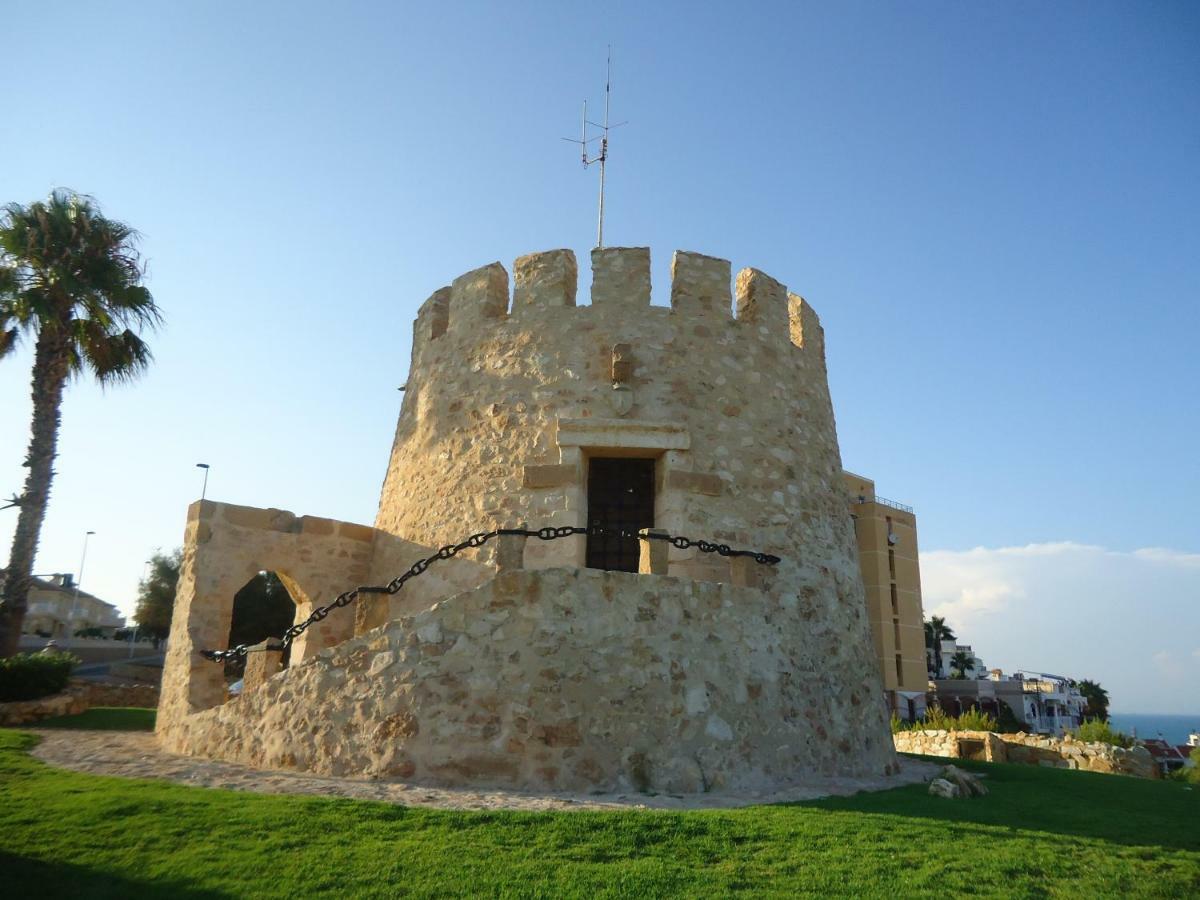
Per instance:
x=1125, y=618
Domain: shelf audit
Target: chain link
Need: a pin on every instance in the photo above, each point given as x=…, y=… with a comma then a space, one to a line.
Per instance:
x=547, y=533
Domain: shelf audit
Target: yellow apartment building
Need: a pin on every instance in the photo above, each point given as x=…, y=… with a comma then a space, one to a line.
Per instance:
x=57, y=609
x=887, y=554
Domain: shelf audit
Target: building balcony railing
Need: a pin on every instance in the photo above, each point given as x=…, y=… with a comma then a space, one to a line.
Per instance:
x=884, y=501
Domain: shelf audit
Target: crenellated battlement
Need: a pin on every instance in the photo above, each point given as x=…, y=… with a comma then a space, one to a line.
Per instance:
x=546, y=281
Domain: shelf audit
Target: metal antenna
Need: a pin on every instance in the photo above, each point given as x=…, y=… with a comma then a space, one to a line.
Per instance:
x=602, y=156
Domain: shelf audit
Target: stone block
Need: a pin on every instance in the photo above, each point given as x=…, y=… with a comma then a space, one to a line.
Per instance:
x=621, y=276
x=479, y=295
x=355, y=532
x=622, y=363
x=763, y=301
x=248, y=516
x=432, y=318
x=968, y=785
x=805, y=325
x=547, y=476
x=700, y=284
x=510, y=552
x=940, y=787
x=202, y=510
x=545, y=280
x=262, y=661
x=695, y=482
x=745, y=572
x=654, y=553
x=316, y=525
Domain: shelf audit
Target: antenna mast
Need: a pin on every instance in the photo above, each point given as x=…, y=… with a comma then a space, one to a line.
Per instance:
x=602, y=156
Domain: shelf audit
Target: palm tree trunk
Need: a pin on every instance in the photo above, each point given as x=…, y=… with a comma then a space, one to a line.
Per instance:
x=50, y=368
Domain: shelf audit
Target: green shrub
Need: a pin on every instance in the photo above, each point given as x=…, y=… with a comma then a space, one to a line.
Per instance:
x=936, y=719
x=1097, y=731
x=976, y=720
x=1189, y=774
x=28, y=676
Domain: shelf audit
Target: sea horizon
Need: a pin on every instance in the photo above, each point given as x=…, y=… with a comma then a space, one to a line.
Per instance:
x=1173, y=727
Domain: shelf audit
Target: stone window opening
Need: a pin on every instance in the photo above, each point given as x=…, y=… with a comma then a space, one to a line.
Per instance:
x=264, y=607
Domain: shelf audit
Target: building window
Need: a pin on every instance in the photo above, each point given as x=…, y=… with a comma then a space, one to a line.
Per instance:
x=892, y=563
x=899, y=669
x=895, y=601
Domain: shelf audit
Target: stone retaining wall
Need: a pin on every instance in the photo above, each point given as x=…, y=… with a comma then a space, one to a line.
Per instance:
x=1033, y=749
x=570, y=679
x=78, y=697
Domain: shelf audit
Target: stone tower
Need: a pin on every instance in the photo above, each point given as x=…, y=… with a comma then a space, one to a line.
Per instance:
x=558, y=664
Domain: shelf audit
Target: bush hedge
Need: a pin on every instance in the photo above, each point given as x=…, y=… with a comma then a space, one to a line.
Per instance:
x=936, y=719
x=1098, y=731
x=28, y=676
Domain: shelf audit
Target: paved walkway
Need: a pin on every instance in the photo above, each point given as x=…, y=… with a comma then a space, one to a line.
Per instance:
x=134, y=754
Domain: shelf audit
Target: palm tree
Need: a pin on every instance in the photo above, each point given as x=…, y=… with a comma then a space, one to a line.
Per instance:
x=936, y=631
x=1097, y=700
x=960, y=662
x=70, y=281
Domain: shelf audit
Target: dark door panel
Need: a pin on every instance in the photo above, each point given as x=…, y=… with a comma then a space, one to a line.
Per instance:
x=620, y=499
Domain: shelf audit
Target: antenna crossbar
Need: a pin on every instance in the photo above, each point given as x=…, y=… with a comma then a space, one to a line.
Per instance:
x=602, y=156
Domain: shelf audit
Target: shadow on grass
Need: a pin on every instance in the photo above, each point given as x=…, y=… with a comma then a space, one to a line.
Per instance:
x=104, y=718
x=1117, y=808
x=25, y=877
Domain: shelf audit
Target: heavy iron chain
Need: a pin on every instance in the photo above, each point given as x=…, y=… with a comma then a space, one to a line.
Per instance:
x=548, y=533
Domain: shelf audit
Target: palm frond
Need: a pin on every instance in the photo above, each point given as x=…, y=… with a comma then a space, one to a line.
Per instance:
x=9, y=338
x=118, y=358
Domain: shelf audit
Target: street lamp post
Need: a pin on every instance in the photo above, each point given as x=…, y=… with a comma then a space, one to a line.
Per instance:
x=75, y=596
x=133, y=635
x=203, y=490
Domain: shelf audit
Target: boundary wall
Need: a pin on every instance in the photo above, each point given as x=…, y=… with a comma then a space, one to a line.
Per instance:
x=1032, y=749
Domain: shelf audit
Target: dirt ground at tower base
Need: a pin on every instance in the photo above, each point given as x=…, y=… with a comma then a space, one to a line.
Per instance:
x=137, y=755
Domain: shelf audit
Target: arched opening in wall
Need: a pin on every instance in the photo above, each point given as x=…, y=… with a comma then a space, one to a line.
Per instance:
x=263, y=608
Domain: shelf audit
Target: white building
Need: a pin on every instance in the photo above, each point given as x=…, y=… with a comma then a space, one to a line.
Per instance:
x=1050, y=704
x=949, y=648
x=1047, y=704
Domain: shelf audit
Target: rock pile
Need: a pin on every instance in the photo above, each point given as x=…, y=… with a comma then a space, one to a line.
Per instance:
x=953, y=782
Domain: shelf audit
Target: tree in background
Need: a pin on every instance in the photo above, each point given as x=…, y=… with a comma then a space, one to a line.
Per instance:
x=156, y=594
x=960, y=662
x=1097, y=700
x=70, y=281
x=936, y=631
x=262, y=609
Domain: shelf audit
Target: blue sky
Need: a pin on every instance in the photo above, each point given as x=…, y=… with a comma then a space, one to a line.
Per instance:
x=995, y=209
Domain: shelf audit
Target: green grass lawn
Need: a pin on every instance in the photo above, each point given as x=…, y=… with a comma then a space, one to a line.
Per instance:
x=106, y=718
x=1040, y=832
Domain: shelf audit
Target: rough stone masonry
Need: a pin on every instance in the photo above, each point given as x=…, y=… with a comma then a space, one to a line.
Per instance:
x=524, y=668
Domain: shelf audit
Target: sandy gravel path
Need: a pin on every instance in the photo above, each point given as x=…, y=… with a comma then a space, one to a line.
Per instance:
x=132, y=754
